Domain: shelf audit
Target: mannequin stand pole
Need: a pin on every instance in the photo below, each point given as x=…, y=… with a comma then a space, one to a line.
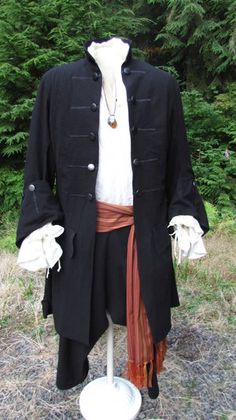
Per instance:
x=110, y=397
x=110, y=356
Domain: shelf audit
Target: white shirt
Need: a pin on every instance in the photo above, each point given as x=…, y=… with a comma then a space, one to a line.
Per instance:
x=114, y=177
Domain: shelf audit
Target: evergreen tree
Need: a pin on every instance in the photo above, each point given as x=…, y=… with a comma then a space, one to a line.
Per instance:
x=211, y=131
x=198, y=38
x=195, y=40
x=37, y=35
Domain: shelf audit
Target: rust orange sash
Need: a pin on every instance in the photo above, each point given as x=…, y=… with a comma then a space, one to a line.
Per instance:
x=141, y=349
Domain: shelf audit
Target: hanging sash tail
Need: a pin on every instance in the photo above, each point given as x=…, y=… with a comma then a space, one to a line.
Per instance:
x=145, y=358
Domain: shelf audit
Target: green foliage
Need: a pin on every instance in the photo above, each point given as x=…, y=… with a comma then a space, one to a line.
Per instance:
x=7, y=240
x=35, y=36
x=198, y=37
x=11, y=184
x=4, y=322
x=27, y=286
x=212, y=214
x=222, y=221
x=8, y=231
x=194, y=40
x=211, y=129
x=225, y=103
x=228, y=225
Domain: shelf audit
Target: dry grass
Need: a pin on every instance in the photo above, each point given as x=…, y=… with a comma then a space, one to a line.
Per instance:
x=199, y=381
x=221, y=256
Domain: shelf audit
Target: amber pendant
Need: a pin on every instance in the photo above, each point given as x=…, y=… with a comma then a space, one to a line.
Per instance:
x=112, y=121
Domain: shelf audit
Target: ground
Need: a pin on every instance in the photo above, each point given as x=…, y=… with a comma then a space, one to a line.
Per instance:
x=199, y=380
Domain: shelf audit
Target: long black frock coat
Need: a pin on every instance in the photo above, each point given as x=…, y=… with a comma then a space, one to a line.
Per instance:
x=59, y=184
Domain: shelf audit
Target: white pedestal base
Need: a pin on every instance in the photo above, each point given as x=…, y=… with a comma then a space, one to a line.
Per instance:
x=101, y=400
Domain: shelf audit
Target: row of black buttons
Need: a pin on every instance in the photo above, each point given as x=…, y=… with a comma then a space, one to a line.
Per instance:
x=137, y=193
x=91, y=196
x=133, y=100
x=91, y=167
x=136, y=162
x=96, y=75
x=94, y=107
x=92, y=136
x=126, y=70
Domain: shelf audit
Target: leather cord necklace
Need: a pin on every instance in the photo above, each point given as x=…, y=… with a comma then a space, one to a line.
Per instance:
x=111, y=120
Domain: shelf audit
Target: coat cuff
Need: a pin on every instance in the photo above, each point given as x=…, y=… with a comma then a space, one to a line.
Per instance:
x=188, y=236
x=40, y=249
x=39, y=207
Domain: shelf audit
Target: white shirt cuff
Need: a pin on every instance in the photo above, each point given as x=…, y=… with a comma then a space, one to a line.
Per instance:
x=40, y=249
x=188, y=236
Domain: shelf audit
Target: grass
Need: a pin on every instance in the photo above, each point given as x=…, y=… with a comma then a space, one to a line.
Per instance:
x=207, y=285
x=199, y=380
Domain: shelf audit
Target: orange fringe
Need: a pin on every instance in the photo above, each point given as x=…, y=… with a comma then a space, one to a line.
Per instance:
x=139, y=374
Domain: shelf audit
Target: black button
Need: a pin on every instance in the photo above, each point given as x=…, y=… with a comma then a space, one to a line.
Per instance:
x=138, y=192
x=92, y=136
x=91, y=167
x=90, y=196
x=31, y=187
x=95, y=76
x=136, y=162
x=133, y=130
x=126, y=70
x=133, y=100
x=93, y=107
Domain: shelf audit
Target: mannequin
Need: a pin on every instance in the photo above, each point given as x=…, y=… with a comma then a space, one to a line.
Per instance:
x=114, y=191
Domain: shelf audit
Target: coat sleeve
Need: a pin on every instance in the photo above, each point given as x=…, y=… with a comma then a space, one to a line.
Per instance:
x=183, y=197
x=39, y=205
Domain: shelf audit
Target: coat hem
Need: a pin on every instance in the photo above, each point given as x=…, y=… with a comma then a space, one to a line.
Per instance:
x=74, y=383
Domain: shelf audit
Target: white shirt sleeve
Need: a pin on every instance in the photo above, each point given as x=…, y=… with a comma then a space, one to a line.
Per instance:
x=188, y=236
x=40, y=249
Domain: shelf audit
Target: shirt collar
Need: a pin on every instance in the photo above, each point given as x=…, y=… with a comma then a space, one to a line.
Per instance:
x=99, y=40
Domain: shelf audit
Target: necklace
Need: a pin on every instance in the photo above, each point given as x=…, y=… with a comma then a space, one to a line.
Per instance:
x=111, y=120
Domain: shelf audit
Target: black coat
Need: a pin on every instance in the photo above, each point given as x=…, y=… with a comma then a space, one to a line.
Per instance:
x=63, y=141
